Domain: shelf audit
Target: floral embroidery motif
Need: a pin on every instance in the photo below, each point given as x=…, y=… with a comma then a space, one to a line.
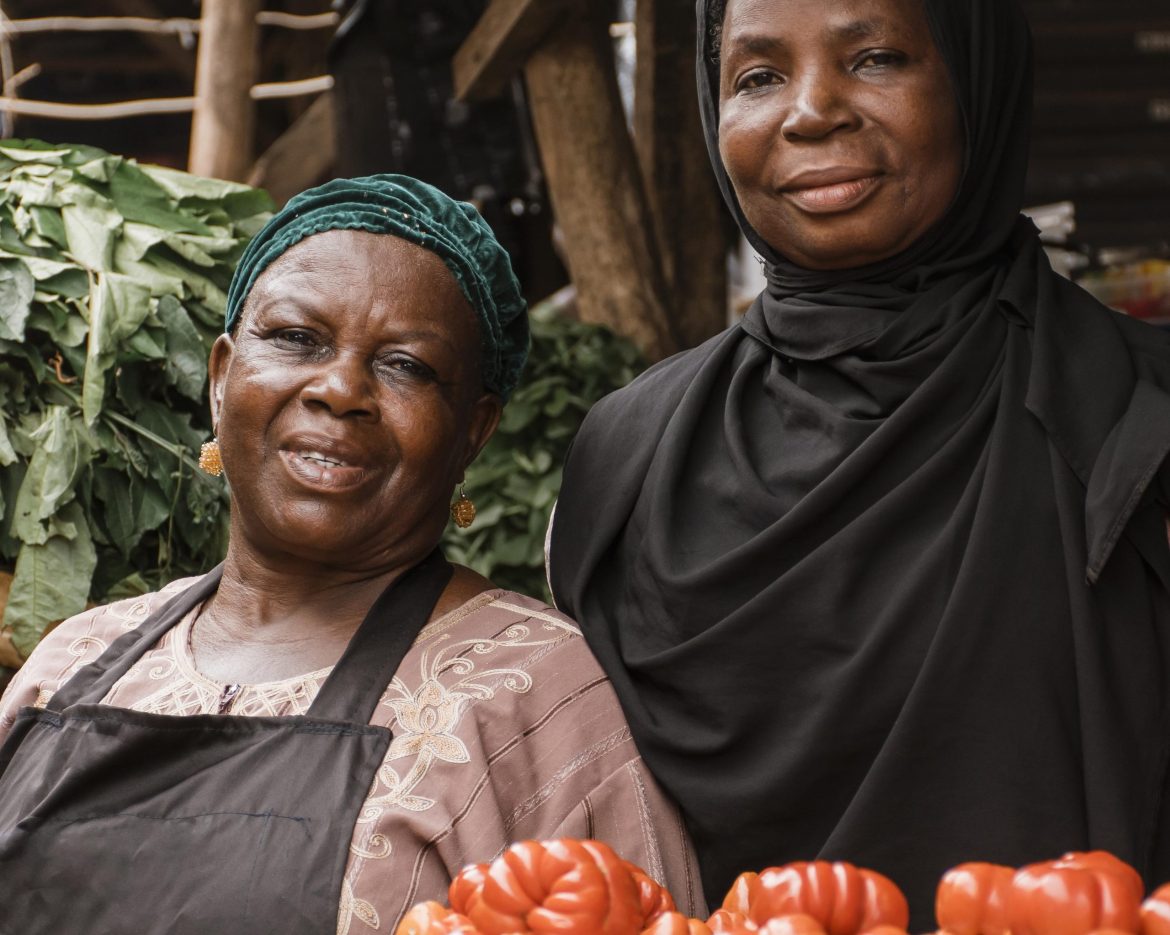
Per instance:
x=427, y=718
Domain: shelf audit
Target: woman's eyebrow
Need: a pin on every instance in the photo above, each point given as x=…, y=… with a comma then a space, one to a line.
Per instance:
x=859, y=29
x=747, y=44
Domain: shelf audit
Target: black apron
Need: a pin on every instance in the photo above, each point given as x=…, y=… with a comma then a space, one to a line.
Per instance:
x=115, y=821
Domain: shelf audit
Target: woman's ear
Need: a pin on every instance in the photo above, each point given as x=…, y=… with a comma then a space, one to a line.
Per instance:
x=485, y=418
x=218, y=364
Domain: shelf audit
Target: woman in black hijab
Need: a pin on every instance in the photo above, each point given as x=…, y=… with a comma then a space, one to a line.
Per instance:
x=881, y=573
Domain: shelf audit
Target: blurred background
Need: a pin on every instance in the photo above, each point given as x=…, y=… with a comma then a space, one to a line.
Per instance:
x=344, y=87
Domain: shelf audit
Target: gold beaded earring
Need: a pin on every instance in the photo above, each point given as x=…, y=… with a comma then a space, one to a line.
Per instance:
x=463, y=510
x=210, y=459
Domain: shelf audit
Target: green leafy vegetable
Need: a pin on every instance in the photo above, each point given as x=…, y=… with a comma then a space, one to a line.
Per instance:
x=112, y=281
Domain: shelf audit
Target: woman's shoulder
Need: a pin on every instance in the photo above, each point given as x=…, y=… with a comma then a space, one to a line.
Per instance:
x=510, y=628
x=508, y=656
x=670, y=377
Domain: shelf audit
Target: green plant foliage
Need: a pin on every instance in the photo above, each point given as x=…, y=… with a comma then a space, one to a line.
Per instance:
x=515, y=481
x=112, y=289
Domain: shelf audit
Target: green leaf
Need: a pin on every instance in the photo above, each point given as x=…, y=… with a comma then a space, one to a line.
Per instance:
x=7, y=453
x=91, y=226
x=19, y=154
x=145, y=344
x=180, y=185
x=16, y=295
x=49, y=225
x=52, y=472
x=186, y=366
x=118, y=306
x=70, y=283
x=112, y=488
x=56, y=319
x=51, y=582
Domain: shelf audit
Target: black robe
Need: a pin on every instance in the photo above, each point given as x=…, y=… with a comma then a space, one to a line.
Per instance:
x=881, y=574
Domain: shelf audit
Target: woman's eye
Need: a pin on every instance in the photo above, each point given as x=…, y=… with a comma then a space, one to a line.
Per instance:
x=409, y=366
x=880, y=59
x=296, y=337
x=758, y=79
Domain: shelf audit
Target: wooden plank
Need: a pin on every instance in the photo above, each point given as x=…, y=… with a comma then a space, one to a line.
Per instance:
x=595, y=185
x=500, y=44
x=301, y=155
x=688, y=211
x=222, y=128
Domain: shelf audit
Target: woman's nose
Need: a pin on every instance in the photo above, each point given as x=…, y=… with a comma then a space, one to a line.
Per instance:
x=817, y=108
x=342, y=385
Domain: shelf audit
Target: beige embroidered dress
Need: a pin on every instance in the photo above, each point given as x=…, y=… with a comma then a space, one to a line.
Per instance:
x=504, y=728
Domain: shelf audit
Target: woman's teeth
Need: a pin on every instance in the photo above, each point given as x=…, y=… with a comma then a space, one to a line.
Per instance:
x=323, y=459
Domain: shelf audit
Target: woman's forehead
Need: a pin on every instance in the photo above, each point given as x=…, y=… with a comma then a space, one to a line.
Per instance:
x=853, y=20
x=344, y=268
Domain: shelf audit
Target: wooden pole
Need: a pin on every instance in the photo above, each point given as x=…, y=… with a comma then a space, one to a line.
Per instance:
x=595, y=185
x=687, y=208
x=222, y=127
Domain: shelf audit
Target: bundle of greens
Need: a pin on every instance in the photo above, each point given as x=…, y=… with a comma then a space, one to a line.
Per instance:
x=516, y=479
x=112, y=289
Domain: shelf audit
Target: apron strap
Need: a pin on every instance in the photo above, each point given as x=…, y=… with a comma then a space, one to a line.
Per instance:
x=91, y=683
x=355, y=686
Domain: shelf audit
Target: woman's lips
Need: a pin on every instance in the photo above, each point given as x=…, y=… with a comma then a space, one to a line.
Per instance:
x=320, y=472
x=837, y=196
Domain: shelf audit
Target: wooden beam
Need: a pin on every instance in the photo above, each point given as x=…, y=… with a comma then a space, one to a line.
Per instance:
x=222, y=128
x=595, y=185
x=688, y=211
x=500, y=43
x=300, y=155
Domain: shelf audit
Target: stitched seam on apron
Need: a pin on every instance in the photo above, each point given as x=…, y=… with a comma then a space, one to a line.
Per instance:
x=79, y=818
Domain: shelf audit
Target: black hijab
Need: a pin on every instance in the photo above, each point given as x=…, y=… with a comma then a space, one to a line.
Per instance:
x=881, y=574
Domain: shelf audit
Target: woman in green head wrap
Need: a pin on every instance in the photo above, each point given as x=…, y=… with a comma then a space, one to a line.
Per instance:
x=320, y=732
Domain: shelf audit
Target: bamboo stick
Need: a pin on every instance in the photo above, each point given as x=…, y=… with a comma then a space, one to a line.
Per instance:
x=156, y=105
x=111, y=111
x=175, y=25
x=297, y=88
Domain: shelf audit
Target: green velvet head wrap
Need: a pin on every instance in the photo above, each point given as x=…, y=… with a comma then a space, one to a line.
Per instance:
x=418, y=212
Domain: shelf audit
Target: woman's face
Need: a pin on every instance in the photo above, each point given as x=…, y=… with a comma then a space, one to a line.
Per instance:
x=837, y=126
x=349, y=401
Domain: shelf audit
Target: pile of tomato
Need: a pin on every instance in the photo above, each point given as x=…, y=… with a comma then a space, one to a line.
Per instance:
x=570, y=887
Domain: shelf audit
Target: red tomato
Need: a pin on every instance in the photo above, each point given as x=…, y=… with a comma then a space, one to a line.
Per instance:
x=796, y=924
x=1155, y=912
x=726, y=920
x=565, y=887
x=430, y=918
x=1106, y=863
x=675, y=923
x=653, y=896
x=739, y=897
x=843, y=899
x=972, y=899
x=1073, y=896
